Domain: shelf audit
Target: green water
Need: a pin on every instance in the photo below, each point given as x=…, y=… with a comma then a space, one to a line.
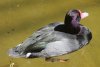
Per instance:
x=19, y=18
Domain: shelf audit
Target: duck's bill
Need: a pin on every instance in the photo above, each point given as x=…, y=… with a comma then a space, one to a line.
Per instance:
x=84, y=15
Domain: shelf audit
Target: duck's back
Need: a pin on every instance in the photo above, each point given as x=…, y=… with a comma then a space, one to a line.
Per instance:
x=36, y=42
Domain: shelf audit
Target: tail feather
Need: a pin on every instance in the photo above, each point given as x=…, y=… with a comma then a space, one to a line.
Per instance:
x=13, y=53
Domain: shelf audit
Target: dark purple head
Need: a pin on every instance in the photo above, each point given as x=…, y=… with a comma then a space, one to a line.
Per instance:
x=73, y=18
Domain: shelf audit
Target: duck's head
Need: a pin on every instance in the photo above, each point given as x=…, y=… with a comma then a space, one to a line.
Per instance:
x=74, y=16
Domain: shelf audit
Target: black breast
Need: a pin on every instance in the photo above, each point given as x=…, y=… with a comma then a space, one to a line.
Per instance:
x=89, y=36
x=67, y=29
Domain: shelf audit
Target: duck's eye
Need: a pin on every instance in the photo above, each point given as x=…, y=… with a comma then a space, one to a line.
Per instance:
x=78, y=14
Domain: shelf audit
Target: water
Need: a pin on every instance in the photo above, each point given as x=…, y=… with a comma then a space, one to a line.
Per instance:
x=19, y=18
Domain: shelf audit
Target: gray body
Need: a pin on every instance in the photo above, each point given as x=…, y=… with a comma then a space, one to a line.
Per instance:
x=46, y=42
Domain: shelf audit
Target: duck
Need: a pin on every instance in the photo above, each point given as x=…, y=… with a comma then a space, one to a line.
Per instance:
x=55, y=39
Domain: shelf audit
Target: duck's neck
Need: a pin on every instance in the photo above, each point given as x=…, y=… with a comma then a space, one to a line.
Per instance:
x=72, y=25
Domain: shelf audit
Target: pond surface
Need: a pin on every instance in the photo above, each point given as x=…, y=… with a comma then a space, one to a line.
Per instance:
x=20, y=18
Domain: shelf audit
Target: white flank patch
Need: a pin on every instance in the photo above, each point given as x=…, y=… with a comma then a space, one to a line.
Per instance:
x=28, y=54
